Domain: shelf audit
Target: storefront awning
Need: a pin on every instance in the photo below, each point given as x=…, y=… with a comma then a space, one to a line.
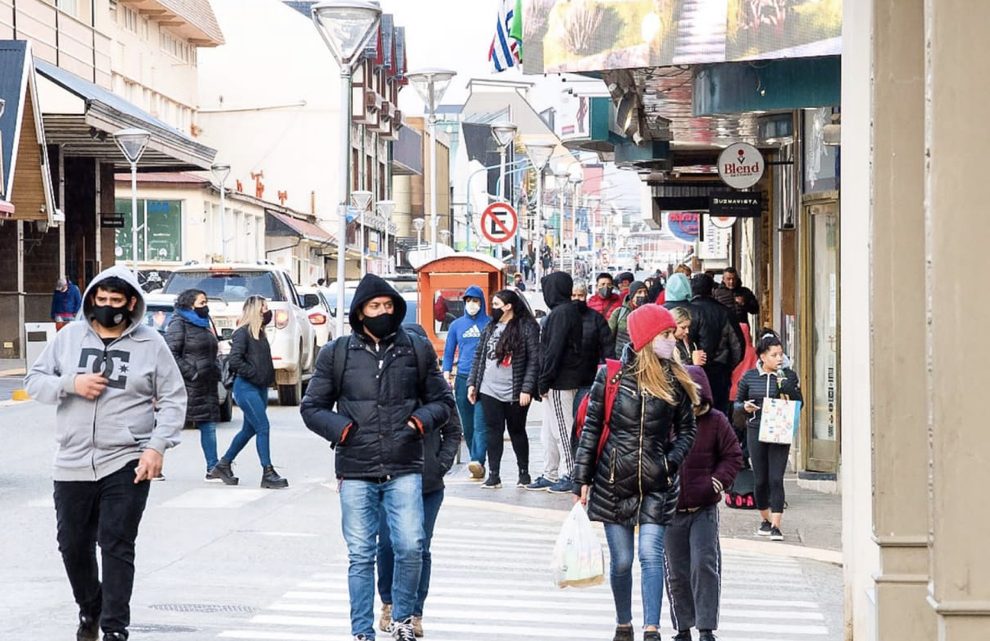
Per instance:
x=85, y=125
x=285, y=225
x=25, y=181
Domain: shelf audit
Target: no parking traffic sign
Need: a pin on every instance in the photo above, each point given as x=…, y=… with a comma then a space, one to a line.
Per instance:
x=499, y=223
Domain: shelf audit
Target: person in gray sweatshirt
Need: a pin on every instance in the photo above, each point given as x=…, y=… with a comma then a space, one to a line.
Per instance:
x=120, y=403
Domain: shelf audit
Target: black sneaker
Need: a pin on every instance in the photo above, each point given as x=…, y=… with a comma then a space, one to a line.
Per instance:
x=683, y=635
x=764, y=529
x=115, y=636
x=403, y=630
x=270, y=480
x=623, y=633
x=651, y=635
x=524, y=479
x=706, y=635
x=222, y=472
x=89, y=628
x=493, y=482
x=776, y=534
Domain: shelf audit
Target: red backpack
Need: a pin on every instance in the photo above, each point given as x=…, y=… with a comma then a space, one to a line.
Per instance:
x=613, y=369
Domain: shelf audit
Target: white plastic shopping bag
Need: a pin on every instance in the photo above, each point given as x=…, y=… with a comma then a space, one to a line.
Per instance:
x=578, y=561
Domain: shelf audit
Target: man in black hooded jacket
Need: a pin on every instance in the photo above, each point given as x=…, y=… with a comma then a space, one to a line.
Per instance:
x=560, y=377
x=714, y=330
x=389, y=394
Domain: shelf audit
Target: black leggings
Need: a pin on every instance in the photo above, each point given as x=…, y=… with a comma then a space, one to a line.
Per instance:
x=769, y=464
x=500, y=416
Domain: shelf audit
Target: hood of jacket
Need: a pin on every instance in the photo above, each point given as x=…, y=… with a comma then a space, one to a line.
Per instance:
x=118, y=271
x=373, y=286
x=476, y=292
x=557, y=288
x=701, y=380
x=678, y=288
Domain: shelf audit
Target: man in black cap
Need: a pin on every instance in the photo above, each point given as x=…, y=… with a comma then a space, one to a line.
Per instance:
x=714, y=330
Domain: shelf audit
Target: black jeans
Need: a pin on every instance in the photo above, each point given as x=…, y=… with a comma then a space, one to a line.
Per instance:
x=769, y=464
x=500, y=416
x=694, y=567
x=720, y=378
x=108, y=512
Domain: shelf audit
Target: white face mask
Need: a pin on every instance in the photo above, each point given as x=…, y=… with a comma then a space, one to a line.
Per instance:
x=664, y=347
x=472, y=308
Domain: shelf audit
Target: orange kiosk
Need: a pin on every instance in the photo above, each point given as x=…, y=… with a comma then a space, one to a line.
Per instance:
x=442, y=283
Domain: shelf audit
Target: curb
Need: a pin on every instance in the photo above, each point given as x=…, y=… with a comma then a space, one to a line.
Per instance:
x=734, y=544
x=12, y=403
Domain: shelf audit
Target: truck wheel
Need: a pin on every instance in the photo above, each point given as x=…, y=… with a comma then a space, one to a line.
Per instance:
x=289, y=395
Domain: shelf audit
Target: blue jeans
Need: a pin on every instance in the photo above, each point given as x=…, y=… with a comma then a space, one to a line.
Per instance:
x=472, y=421
x=386, y=558
x=620, y=547
x=361, y=502
x=253, y=401
x=208, y=441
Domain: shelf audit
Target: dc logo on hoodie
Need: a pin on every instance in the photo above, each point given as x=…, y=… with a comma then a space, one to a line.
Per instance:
x=113, y=364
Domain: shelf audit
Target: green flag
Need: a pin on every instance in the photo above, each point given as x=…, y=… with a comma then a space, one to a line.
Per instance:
x=517, y=27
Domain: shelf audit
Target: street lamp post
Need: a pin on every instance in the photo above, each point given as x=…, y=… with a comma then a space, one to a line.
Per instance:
x=345, y=26
x=539, y=154
x=385, y=209
x=132, y=143
x=504, y=133
x=361, y=200
x=561, y=178
x=575, y=181
x=431, y=85
x=220, y=174
x=419, y=223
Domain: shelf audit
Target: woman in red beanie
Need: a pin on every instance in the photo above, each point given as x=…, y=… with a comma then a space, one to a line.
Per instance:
x=634, y=482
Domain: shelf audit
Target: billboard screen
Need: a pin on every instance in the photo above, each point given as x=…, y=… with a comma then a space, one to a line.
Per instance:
x=589, y=35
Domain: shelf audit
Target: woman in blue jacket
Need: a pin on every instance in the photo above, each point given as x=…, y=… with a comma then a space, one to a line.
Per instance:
x=462, y=341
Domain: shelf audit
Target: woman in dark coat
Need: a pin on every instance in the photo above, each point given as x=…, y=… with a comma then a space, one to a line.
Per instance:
x=634, y=483
x=194, y=346
x=504, y=379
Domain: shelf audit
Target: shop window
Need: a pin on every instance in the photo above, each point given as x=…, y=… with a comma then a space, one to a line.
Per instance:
x=159, y=230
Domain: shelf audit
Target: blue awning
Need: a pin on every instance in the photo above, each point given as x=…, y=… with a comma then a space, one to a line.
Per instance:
x=90, y=135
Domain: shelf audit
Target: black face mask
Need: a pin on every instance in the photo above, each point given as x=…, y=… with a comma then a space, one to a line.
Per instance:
x=639, y=301
x=110, y=316
x=497, y=314
x=380, y=326
x=266, y=317
x=202, y=312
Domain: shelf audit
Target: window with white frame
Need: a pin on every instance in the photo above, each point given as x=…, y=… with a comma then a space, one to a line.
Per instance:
x=70, y=7
x=130, y=19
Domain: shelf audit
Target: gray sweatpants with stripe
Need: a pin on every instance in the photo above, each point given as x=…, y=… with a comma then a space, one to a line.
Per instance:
x=693, y=572
x=558, y=419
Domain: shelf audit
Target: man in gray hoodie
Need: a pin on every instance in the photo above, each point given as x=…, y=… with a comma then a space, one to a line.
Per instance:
x=121, y=403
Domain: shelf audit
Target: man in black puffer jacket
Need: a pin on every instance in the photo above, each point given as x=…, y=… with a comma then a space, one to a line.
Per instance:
x=714, y=330
x=384, y=407
x=560, y=377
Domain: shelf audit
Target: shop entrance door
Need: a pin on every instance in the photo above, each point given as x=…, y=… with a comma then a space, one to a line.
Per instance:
x=821, y=378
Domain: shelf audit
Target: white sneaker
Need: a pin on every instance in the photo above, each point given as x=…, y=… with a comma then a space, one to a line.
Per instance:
x=403, y=630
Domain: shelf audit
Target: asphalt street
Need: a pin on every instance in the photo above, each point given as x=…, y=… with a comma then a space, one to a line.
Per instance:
x=216, y=562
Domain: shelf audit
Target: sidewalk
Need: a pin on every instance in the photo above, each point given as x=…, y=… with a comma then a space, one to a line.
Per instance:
x=812, y=524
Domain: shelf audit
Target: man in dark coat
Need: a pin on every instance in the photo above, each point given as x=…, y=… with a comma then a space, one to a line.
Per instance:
x=559, y=382
x=389, y=393
x=597, y=342
x=740, y=300
x=714, y=330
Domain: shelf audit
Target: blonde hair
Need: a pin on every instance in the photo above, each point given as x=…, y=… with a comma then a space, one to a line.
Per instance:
x=652, y=377
x=681, y=314
x=251, y=315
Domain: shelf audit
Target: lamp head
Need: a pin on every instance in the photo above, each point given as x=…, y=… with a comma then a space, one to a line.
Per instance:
x=504, y=133
x=220, y=173
x=132, y=143
x=361, y=199
x=539, y=154
x=386, y=207
x=431, y=84
x=346, y=26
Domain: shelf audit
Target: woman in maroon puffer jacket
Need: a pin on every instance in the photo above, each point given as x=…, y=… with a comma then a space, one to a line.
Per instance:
x=691, y=541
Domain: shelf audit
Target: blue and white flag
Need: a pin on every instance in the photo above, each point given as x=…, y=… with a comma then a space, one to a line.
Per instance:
x=506, y=50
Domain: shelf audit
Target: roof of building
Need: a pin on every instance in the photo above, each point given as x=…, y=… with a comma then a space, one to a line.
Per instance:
x=199, y=14
x=307, y=230
x=176, y=178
